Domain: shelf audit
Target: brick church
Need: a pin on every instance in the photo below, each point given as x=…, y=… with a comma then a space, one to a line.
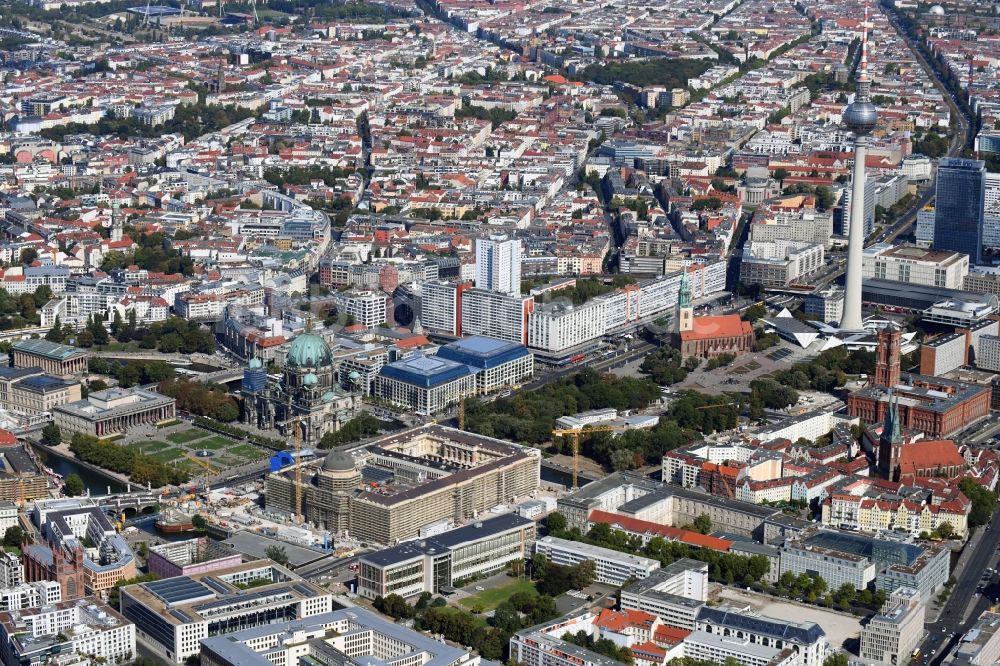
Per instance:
x=707, y=337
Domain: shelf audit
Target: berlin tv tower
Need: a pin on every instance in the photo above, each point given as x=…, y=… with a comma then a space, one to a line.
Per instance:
x=860, y=117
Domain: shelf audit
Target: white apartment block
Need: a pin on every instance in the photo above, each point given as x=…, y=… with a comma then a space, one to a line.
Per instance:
x=368, y=308
x=498, y=264
x=496, y=315
x=924, y=232
x=30, y=595
x=932, y=268
x=805, y=226
x=555, y=327
x=440, y=305
x=11, y=570
x=613, y=567
x=988, y=357
x=8, y=515
x=810, y=425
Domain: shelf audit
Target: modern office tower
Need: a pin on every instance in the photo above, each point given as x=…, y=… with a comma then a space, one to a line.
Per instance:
x=959, y=205
x=498, y=264
x=860, y=117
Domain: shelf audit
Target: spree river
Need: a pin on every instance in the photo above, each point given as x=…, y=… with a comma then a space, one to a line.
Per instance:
x=96, y=483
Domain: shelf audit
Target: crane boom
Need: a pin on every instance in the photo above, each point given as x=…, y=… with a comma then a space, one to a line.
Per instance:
x=574, y=433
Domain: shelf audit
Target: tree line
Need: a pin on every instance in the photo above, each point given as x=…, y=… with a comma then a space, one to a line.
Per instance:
x=140, y=468
x=202, y=399
x=529, y=416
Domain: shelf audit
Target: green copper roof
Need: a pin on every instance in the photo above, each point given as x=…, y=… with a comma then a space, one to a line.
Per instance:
x=684, y=294
x=309, y=351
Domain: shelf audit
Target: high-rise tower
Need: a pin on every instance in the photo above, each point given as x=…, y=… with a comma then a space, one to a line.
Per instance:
x=117, y=226
x=498, y=264
x=860, y=117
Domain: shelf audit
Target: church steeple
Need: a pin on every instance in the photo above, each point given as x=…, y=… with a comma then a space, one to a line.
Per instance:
x=890, y=441
x=890, y=429
x=685, y=313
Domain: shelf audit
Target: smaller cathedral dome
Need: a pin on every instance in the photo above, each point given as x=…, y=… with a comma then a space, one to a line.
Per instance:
x=255, y=363
x=338, y=461
x=310, y=379
x=355, y=375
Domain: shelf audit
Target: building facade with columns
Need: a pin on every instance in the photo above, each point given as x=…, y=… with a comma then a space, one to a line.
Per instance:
x=51, y=357
x=114, y=410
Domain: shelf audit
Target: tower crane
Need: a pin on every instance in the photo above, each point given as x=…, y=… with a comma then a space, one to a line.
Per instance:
x=574, y=434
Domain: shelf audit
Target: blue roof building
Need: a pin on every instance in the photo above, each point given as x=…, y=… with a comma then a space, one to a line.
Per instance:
x=498, y=364
x=425, y=384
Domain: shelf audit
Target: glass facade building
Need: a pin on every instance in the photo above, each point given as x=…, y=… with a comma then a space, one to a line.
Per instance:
x=958, y=213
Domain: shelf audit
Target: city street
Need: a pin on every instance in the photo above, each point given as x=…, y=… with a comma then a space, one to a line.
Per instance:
x=955, y=618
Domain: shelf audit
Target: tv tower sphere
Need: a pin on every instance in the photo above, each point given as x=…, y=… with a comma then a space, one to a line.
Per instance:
x=861, y=116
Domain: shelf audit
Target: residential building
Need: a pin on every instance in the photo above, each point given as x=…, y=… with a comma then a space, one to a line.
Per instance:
x=30, y=595
x=498, y=264
x=85, y=627
x=112, y=411
x=989, y=353
x=368, y=308
x=827, y=305
x=613, y=567
x=944, y=353
x=441, y=306
x=960, y=201
x=560, y=326
x=906, y=263
x=347, y=636
x=496, y=315
x=430, y=564
x=174, y=615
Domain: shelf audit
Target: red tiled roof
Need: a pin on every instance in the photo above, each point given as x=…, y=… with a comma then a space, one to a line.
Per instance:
x=637, y=526
x=927, y=454
x=721, y=326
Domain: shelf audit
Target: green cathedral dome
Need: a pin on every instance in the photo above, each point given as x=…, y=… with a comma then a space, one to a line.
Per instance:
x=309, y=351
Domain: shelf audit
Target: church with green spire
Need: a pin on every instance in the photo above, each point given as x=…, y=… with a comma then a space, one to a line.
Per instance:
x=708, y=336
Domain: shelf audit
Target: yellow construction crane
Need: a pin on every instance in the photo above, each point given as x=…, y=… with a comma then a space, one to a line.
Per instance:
x=574, y=434
x=208, y=468
x=298, y=472
x=461, y=413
